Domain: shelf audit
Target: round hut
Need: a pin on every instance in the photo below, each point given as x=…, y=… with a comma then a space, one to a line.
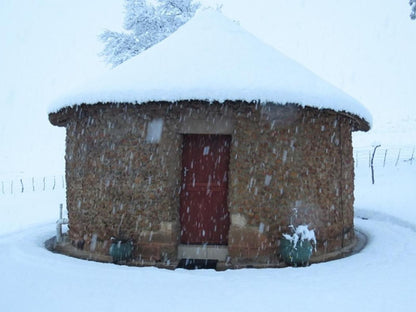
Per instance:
x=209, y=145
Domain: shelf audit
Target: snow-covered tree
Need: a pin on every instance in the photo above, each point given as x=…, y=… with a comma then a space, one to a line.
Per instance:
x=146, y=23
x=413, y=6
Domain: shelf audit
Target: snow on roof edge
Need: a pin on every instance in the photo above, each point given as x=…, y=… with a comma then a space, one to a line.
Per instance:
x=365, y=123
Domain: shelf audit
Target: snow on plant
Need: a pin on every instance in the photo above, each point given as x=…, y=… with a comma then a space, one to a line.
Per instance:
x=301, y=233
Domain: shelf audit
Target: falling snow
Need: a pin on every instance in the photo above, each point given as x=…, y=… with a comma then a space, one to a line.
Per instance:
x=267, y=180
x=379, y=278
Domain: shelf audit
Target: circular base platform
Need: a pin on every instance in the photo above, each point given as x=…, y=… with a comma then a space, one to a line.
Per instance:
x=66, y=248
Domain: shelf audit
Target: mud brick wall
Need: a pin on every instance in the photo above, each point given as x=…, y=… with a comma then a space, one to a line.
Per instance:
x=288, y=166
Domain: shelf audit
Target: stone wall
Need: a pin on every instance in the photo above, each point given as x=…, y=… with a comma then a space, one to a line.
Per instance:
x=118, y=184
x=289, y=165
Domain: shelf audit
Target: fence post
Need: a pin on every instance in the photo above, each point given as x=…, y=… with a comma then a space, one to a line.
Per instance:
x=372, y=163
x=398, y=157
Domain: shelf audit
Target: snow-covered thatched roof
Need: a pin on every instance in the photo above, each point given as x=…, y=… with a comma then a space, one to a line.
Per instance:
x=213, y=58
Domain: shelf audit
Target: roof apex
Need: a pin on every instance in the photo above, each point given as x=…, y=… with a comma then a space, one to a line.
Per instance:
x=212, y=58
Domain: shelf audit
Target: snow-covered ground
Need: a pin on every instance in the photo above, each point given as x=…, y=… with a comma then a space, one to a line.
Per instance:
x=379, y=278
x=365, y=48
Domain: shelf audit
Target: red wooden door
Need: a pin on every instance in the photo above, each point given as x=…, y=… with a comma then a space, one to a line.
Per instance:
x=204, y=213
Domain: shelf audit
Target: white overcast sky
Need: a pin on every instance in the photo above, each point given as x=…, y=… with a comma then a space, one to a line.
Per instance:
x=366, y=48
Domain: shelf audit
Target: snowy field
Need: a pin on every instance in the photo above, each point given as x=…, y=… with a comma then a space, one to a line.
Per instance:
x=51, y=46
x=380, y=278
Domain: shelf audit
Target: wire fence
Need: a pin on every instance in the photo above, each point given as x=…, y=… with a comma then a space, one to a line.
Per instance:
x=14, y=185
x=384, y=156
x=363, y=156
